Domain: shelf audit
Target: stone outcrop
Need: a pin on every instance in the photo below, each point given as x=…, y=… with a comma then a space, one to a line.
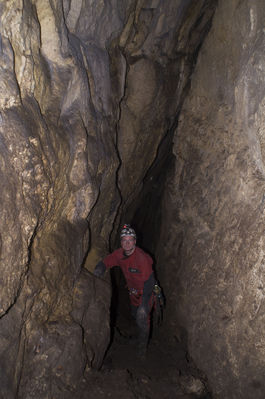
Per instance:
x=88, y=90
x=213, y=218
x=55, y=157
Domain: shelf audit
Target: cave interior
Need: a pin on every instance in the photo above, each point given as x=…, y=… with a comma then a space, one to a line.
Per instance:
x=147, y=112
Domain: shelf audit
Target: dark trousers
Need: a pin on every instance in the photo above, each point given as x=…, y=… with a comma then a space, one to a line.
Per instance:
x=142, y=316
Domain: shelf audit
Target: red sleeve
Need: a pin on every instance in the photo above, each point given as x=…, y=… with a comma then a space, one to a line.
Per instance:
x=112, y=259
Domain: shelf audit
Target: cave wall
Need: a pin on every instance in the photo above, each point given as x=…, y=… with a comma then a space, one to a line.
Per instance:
x=212, y=239
x=54, y=316
x=88, y=91
x=106, y=107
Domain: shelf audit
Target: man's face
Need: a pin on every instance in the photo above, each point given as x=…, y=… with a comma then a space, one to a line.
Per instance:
x=128, y=244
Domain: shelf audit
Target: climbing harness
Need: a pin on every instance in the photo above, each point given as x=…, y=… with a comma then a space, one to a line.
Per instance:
x=134, y=291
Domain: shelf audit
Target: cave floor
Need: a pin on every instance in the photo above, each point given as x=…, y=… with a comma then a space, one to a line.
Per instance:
x=165, y=373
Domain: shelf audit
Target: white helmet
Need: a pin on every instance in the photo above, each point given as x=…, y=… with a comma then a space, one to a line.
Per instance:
x=127, y=231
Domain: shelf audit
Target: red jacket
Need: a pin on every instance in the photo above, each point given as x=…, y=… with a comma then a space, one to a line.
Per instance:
x=136, y=268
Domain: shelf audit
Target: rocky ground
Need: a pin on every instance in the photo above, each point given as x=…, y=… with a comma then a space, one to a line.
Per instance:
x=166, y=372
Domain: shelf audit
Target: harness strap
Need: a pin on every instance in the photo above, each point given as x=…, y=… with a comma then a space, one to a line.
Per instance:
x=135, y=291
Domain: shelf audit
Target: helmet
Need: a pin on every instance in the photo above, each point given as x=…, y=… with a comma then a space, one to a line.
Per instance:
x=127, y=231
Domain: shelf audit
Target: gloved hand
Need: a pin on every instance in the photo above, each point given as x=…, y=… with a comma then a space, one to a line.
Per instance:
x=100, y=269
x=159, y=295
x=159, y=303
x=142, y=315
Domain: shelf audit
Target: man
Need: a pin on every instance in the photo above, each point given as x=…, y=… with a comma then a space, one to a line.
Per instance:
x=136, y=266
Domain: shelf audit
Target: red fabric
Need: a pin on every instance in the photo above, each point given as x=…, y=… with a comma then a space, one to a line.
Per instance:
x=136, y=268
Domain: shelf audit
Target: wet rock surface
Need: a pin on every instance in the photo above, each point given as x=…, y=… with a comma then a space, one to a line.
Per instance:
x=151, y=112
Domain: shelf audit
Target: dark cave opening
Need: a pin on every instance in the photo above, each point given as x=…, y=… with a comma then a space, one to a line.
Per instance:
x=147, y=217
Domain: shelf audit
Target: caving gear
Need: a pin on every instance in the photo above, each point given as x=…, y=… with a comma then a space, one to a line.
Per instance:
x=159, y=302
x=127, y=230
x=134, y=291
x=139, y=276
x=159, y=295
x=137, y=269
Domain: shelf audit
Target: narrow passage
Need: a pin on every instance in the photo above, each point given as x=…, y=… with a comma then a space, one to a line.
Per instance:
x=165, y=373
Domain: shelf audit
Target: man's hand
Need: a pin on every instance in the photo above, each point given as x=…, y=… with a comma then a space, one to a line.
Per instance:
x=100, y=269
x=142, y=314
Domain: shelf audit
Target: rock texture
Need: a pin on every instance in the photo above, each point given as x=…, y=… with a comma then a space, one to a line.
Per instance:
x=145, y=111
x=213, y=225
x=54, y=161
x=88, y=91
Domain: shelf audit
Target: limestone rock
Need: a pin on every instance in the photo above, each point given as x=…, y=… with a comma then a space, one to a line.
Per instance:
x=105, y=108
x=54, y=160
x=192, y=385
x=216, y=202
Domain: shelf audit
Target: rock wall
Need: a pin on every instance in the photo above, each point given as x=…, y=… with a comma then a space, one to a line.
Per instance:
x=54, y=316
x=106, y=107
x=212, y=239
x=88, y=91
